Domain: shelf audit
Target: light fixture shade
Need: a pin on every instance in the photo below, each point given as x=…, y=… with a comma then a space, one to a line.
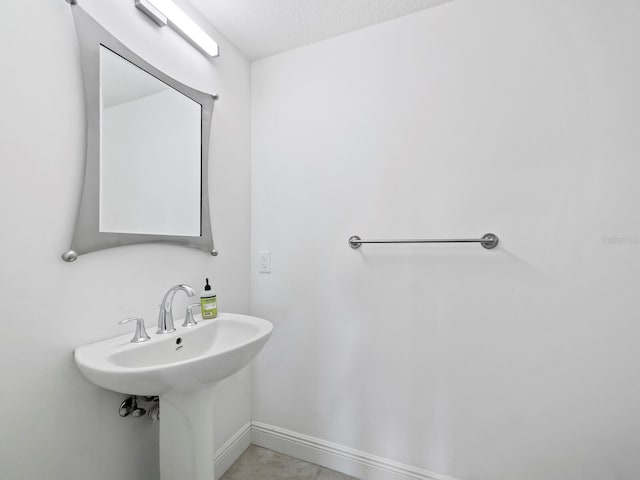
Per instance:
x=181, y=22
x=152, y=12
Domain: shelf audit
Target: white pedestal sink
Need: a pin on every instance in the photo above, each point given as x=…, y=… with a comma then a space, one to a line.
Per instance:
x=183, y=368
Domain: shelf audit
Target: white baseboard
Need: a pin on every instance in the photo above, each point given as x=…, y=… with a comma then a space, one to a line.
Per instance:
x=335, y=457
x=232, y=449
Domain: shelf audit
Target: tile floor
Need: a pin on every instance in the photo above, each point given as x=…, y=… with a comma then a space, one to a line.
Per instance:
x=258, y=463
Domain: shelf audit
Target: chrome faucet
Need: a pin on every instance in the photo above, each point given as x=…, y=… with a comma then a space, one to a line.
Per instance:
x=165, y=317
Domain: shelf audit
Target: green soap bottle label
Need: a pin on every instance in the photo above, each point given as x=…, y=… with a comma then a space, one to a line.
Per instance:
x=209, y=307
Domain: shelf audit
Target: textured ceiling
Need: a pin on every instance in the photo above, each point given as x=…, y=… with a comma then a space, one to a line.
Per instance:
x=260, y=28
x=122, y=82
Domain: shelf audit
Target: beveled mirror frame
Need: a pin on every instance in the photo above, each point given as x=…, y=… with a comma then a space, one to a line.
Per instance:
x=87, y=236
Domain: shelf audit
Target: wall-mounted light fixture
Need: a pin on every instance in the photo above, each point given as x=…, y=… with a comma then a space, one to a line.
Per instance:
x=165, y=12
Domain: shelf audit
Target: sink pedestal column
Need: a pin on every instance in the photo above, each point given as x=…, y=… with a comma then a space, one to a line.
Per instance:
x=186, y=435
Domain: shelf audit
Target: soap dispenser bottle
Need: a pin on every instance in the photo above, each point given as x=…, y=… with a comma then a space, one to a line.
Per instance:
x=208, y=302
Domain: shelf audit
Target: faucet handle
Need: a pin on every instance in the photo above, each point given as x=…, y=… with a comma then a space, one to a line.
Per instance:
x=189, y=321
x=141, y=333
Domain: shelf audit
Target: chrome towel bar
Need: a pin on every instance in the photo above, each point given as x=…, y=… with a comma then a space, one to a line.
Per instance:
x=488, y=241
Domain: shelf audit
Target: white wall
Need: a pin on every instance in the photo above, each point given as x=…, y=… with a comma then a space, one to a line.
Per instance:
x=54, y=425
x=514, y=117
x=166, y=141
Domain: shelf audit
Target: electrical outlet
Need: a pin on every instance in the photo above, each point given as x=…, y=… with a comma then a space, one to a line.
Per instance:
x=264, y=261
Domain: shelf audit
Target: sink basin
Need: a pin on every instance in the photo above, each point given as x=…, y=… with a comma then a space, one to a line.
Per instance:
x=185, y=360
x=183, y=368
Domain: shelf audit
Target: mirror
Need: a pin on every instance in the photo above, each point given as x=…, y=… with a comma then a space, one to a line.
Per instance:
x=150, y=158
x=146, y=174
